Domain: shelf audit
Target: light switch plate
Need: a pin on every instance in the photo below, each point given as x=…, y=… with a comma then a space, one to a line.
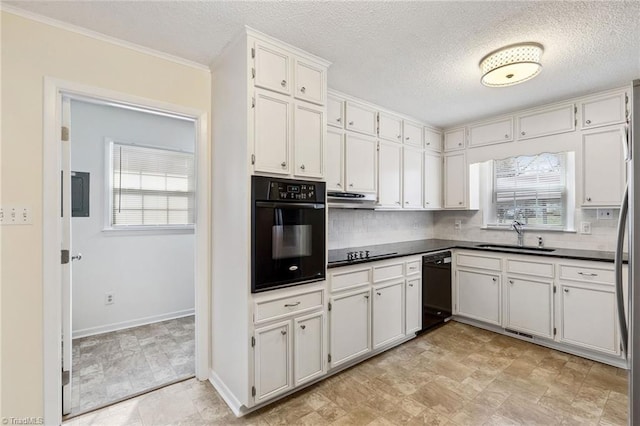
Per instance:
x=585, y=228
x=605, y=214
x=457, y=224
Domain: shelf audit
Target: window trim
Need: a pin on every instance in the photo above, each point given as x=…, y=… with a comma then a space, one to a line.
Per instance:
x=109, y=228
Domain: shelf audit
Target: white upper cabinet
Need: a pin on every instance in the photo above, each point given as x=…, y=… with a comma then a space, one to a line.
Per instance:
x=272, y=132
x=491, y=132
x=335, y=111
x=455, y=181
x=361, y=118
x=603, y=167
x=412, y=133
x=361, y=163
x=604, y=110
x=454, y=139
x=550, y=121
x=272, y=68
x=412, y=178
x=389, y=127
x=432, y=139
x=389, y=174
x=310, y=80
x=432, y=180
x=334, y=171
x=309, y=140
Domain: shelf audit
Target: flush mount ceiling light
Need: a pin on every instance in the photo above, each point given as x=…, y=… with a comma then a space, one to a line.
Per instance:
x=511, y=64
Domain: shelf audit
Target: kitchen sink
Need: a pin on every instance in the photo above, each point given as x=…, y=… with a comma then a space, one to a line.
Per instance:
x=514, y=247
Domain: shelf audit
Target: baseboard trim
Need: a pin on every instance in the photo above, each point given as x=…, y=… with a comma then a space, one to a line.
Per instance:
x=131, y=323
x=226, y=394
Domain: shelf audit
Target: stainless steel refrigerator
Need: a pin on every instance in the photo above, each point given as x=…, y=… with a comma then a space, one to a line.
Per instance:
x=629, y=226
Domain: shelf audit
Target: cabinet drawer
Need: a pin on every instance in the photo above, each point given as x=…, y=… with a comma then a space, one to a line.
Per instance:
x=350, y=279
x=587, y=274
x=361, y=118
x=271, y=309
x=526, y=267
x=387, y=272
x=475, y=261
x=413, y=267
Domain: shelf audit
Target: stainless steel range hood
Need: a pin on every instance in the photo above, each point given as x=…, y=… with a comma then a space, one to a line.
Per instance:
x=351, y=200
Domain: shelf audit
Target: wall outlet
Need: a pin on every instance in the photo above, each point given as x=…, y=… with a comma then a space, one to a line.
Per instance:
x=457, y=225
x=109, y=298
x=585, y=228
x=605, y=214
x=15, y=215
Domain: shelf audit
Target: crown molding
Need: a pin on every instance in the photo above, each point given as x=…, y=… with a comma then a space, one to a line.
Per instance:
x=99, y=36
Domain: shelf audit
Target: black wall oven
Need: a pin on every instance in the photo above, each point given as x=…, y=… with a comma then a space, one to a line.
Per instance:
x=287, y=232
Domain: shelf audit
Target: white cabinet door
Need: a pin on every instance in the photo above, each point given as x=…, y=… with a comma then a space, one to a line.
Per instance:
x=361, y=163
x=388, y=313
x=412, y=133
x=310, y=82
x=412, y=178
x=455, y=181
x=602, y=111
x=478, y=295
x=529, y=306
x=272, y=132
x=491, y=132
x=389, y=174
x=413, y=304
x=334, y=171
x=309, y=140
x=432, y=181
x=350, y=326
x=432, y=140
x=589, y=317
x=558, y=119
x=335, y=111
x=272, y=360
x=603, y=168
x=454, y=139
x=361, y=118
x=309, y=351
x=272, y=68
x=389, y=127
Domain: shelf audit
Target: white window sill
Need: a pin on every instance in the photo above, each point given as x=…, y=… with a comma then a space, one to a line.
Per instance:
x=149, y=230
x=526, y=229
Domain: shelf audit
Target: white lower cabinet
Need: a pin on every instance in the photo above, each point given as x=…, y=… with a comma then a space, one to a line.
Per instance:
x=350, y=326
x=309, y=351
x=388, y=313
x=413, y=304
x=529, y=306
x=272, y=360
x=589, y=317
x=478, y=295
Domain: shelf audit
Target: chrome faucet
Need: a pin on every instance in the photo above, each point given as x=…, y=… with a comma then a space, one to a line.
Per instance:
x=519, y=228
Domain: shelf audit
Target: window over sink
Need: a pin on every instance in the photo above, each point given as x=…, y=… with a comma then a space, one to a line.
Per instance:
x=536, y=190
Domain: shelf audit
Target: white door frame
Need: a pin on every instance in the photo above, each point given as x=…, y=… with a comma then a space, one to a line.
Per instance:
x=52, y=231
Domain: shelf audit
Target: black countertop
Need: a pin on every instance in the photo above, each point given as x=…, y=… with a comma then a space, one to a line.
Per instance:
x=338, y=257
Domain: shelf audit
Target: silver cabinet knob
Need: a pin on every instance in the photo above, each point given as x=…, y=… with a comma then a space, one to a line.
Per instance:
x=339, y=184
x=406, y=202
x=398, y=202
x=302, y=166
x=303, y=326
x=566, y=290
x=366, y=296
x=523, y=133
x=378, y=293
x=303, y=89
x=283, y=83
x=428, y=143
x=588, y=198
x=588, y=121
x=410, y=285
x=407, y=138
x=339, y=119
x=283, y=332
x=460, y=202
x=460, y=144
x=494, y=279
x=283, y=164
x=399, y=136
x=511, y=282
x=351, y=123
x=427, y=202
x=506, y=136
x=351, y=185
x=77, y=257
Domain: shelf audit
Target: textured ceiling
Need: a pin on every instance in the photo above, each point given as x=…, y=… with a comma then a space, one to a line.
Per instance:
x=419, y=58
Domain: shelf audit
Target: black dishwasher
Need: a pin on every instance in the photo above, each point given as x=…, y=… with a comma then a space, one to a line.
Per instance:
x=436, y=289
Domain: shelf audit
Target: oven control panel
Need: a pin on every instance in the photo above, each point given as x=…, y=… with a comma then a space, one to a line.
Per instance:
x=292, y=191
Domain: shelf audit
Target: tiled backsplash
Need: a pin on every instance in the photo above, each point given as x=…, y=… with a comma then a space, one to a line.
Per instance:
x=603, y=232
x=355, y=228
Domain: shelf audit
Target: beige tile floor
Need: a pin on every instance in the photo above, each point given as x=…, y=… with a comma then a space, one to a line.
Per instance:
x=455, y=375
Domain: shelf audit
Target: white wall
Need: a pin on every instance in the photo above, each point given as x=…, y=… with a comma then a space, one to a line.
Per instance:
x=355, y=228
x=30, y=51
x=150, y=274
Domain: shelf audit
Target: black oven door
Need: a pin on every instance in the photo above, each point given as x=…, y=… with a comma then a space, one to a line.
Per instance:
x=288, y=244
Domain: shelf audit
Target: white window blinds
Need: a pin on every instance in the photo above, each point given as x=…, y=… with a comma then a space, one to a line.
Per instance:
x=531, y=189
x=151, y=187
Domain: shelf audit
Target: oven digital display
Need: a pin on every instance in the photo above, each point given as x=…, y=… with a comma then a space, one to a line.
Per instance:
x=287, y=191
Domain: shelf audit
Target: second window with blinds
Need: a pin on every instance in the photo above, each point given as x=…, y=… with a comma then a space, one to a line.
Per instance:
x=150, y=187
x=536, y=190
